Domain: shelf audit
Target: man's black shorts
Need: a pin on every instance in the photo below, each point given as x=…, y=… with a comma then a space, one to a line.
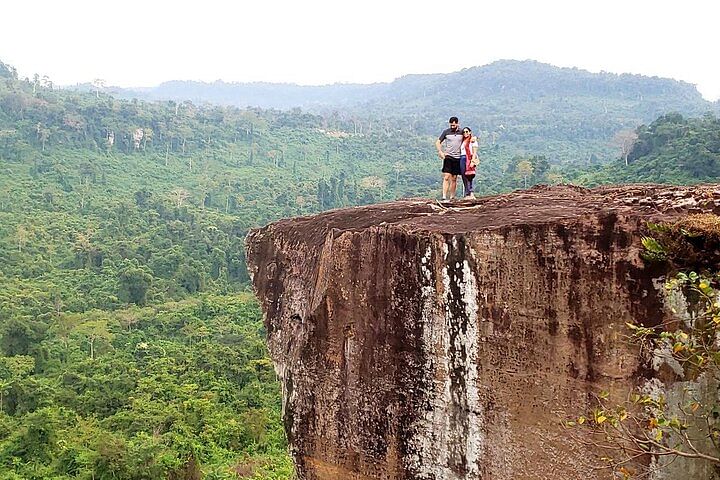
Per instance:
x=451, y=165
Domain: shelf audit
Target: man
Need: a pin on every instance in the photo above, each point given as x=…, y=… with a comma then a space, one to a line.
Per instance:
x=448, y=148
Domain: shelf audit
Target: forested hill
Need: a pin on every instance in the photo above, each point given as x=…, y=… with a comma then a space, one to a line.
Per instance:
x=533, y=105
x=522, y=80
x=672, y=149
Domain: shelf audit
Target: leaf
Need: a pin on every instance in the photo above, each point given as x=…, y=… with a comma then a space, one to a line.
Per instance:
x=658, y=435
x=652, y=245
x=705, y=288
x=581, y=420
x=601, y=419
x=676, y=424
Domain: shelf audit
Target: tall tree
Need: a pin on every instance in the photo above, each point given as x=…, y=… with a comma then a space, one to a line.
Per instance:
x=625, y=140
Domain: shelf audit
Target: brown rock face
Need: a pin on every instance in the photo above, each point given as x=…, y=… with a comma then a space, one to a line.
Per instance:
x=417, y=341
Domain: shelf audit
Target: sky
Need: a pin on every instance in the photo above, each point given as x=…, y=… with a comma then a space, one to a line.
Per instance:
x=145, y=42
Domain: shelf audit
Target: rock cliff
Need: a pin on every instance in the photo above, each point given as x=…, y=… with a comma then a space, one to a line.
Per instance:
x=416, y=340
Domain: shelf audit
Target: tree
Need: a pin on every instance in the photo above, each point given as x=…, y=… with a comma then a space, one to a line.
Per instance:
x=148, y=136
x=13, y=369
x=8, y=141
x=178, y=196
x=21, y=335
x=83, y=191
x=524, y=169
x=190, y=278
x=86, y=253
x=135, y=281
x=99, y=84
x=274, y=156
x=21, y=237
x=109, y=140
x=374, y=182
x=43, y=134
x=322, y=194
x=94, y=330
x=7, y=71
x=398, y=167
x=129, y=317
x=540, y=167
x=137, y=136
x=625, y=140
x=63, y=327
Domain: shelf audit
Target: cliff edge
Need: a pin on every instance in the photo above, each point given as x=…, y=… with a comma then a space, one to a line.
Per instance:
x=416, y=340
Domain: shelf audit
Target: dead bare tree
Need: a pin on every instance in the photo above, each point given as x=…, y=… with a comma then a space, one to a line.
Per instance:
x=625, y=140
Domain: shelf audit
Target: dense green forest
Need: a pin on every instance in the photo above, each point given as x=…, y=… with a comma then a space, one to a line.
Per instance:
x=538, y=108
x=179, y=390
x=672, y=149
x=130, y=347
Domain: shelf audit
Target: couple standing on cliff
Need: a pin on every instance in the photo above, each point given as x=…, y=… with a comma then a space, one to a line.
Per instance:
x=457, y=147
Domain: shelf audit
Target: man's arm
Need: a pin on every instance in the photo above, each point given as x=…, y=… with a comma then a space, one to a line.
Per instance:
x=438, y=145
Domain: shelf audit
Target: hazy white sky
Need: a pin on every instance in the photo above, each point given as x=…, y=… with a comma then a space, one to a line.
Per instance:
x=146, y=42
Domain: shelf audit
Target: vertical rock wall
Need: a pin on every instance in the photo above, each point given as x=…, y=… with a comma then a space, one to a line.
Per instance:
x=417, y=341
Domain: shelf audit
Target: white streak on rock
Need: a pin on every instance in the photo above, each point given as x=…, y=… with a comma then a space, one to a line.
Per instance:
x=437, y=434
x=475, y=437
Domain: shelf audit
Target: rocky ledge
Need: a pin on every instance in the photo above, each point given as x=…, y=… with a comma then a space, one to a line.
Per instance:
x=418, y=340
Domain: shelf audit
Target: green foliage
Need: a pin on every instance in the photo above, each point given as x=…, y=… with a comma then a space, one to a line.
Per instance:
x=154, y=399
x=653, y=250
x=134, y=283
x=114, y=364
x=672, y=149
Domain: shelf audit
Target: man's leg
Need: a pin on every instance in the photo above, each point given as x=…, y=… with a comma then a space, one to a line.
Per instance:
x=446, y=185
x=453, y=181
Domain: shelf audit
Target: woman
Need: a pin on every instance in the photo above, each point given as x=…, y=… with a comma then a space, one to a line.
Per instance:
x=468, y=161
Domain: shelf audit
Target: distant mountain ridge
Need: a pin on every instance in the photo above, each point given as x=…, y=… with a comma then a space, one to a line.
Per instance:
x=500, y=78
x=536, y=108
x=532, y=104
